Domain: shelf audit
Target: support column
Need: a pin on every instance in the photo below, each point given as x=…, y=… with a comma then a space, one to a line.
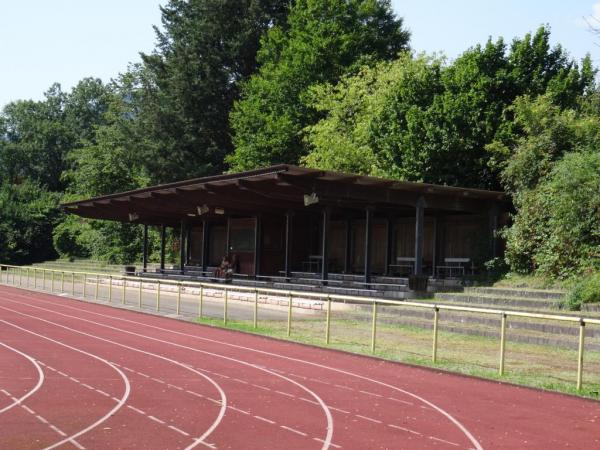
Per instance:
x=419, y=219
x=325, y=250
x=163, y=233
x=188, y=244
x=228, y=236
x=145, y=250
x=434, y=246
x=389, y=245
x=368, y=220
x=204, y=245
x=182, y=249
x=257, y=244
x=348, y=251
x=288, y=243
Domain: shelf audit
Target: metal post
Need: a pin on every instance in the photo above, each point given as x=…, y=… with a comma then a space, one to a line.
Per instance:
x=109, y=288
x=289, y=322
x=325, y=247
x=158, y=296
x=502, y=343
x=145, y=250
x=182, y=249
x=374, y=327
x=84, y=284
x=34, y=278
x=257, y=245
x=580, y=354
x=367, y=269
x=328, y=320
x=43, y=279
x=204, y=245
x=72, y=284
x=436, y=317
x=62, y=282
x=348, y=247
x=163, y=232
x=52, y=282
x=178, y=298
x=20, y=276
x=288, y=243
x=124, y=289
x=225, y=301
x=140, y=295
x=255, y=314
x=97, y=287
x=388, y=244
x=419, y=221
x=201, y=302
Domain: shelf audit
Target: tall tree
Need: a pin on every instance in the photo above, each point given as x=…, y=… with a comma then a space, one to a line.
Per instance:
x=189, y=83
x=324, y=40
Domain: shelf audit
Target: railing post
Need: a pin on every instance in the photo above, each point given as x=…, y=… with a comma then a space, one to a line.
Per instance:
x=225, y=306
x=52, y=282
x=110, y=278
x=201, y=302
x=580, y=354
x=20, y=276
x=97, y=287
x=43, y=279
x=124, y=293
x=84, y=284
x=140, y=295
x=289, y=322
x=374, y=327
x=502, y=343
x=255, y=312
x=72, y=284
x=62, y=282
x=328, y=320
x=436, y=318
x=158, y=296
x=178, y=307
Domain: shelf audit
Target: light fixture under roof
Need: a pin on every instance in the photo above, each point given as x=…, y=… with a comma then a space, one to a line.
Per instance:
x=133, y=216
x=311, y=199
x=219, y=211
x=203, y=209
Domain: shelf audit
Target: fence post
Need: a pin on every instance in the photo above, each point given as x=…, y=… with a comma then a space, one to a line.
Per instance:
x=34, y=278
x=72, y=284
x=580, y=354
x=84, y=284
x=289, y=324
x=110, y=278
x=124, y=293
x=328, y=320
x=20, y=276
x=158, y=296
x=62, y=282
x=502, y=343
x=201, y=302
x=374, y=327
x=97, y=287
x=225, y=306
x=178, y=298
x=43, y=279
x=436, y=318
x=52, y=282
x=140, y=295
x=255, y=312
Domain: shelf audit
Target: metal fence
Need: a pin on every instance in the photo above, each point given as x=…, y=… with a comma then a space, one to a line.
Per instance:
x=64, y=282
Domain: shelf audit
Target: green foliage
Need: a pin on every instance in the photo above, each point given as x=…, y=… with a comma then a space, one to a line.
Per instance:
x=324, y=40
x=556, y=230
x=27, y=215
x=189, y=83
x=418, y=119
x=585, y=290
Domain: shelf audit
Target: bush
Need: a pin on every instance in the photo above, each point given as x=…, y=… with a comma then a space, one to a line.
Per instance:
x=585, y=290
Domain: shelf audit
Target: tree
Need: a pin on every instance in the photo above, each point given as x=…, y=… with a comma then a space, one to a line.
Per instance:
x=188, y=84
x=324, y=40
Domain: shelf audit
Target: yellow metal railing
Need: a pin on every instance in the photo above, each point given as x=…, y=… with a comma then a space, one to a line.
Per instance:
x=8, y=275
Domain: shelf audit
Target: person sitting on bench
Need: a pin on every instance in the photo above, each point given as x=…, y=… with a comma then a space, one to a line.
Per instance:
x=234, y=267
x=221, y=271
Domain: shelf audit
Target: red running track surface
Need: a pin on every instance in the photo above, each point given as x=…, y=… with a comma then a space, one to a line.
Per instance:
x=81, y=375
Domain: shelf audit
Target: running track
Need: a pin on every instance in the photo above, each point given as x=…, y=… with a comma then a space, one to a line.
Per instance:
x=81, y=375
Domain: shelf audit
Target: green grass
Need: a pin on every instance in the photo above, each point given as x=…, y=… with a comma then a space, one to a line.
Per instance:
x=513, y=280
x=530, y=365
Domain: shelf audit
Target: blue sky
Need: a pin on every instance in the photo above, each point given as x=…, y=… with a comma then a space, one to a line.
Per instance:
x=65, y=40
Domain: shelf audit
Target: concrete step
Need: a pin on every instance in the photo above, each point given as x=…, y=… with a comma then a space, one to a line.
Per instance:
x=469, y=298
x=518, y=292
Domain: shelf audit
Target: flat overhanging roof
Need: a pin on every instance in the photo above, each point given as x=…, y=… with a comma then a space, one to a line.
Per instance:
x=275, y=190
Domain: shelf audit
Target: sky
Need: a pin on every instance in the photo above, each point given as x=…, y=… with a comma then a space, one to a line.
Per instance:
x=42, y=42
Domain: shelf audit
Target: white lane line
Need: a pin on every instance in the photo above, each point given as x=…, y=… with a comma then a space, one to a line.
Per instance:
x=101, y=392
x=239, y=410
x=162, y=422
x=371, y=393
x=157, y=380
x=293, y=430
x=58, y=430
x=400, y=401
x=286, y=394
x=444, y=441
x=340, y=386
x=139, y=411
x=185, y=433
x=368, y=418
x=324, y=407
x=264, y=420
x=331, y=444
x=121, y=374
x=40, y=381
x=264, y=388
x=196, y=441
x=240, y=381
x=408, y=430
x=441, y=411
x=41, y=419
x=87, y=386
x=28, y=409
